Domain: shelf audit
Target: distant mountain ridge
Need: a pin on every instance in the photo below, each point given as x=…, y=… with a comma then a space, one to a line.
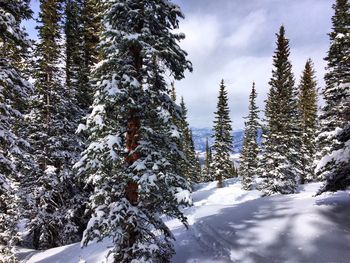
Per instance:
x=201, y=134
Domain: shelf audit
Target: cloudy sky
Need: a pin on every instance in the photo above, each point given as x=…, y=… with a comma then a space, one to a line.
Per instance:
x=234, y=40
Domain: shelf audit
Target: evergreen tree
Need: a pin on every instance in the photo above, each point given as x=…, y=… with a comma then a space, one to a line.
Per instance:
x=223, y=144
x=73, y=28
x=14, y=92
x=334, y=160
x=308, y=112
x=194, y=160
x=249, y=155
x=179, y=121
x=132, y=137
x=91, y=27
x=82, y=25
x=52, y=136
x=233, y=173
x=80, y=57
x=190, y=167
x=281, y=146
x=208, y=160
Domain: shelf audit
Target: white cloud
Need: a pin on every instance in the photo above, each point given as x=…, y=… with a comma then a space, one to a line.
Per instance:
x=246, y=30
x=202, y=35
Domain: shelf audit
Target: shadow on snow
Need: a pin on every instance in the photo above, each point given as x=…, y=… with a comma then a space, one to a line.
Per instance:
x=263, y=230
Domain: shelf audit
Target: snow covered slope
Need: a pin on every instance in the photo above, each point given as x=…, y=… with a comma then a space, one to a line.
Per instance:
x=233, y=225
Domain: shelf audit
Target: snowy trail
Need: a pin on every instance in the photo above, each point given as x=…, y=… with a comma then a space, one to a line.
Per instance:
x=292, y=228
x=233, y=225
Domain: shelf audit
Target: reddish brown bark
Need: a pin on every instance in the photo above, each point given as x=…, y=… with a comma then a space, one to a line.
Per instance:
x=132, y=139
x=133, y=125
x=131, y=189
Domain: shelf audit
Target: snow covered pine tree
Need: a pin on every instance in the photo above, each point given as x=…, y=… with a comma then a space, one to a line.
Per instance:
x=194, y=160
x=334, y=138
x=191, y=166
x=249, y=162
x=307, y=103
x=14, y=91
x=132, y=137
x=81, y=26
x=53, y=121
x=206, y=172
x=91, y=28
x=223, y=144
x=280, y=161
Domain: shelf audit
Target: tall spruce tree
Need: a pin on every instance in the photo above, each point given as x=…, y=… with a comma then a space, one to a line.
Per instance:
x=250, y=150
x=223, y=144
x=90, y=13
x=194, y=160
x=14, y=93
x=178, y=121
x=131, y=132
x=281, y=164
x=334, y=138
x=191, y=166
x=80, y=57
x=52, y=136
x=308, y=112
x=206, y=174
x=73, y=28
x=82, y=26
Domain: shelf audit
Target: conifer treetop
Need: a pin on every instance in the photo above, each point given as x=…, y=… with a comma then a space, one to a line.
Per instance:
x=223, y=141
x=281, y=73
x=222, y=115
x=249, y=163
x=338, y=56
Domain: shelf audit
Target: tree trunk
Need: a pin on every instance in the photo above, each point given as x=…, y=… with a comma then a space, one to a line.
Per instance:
x=132, y=137
x=220, y=183
x=131, y=189
x=132, y=141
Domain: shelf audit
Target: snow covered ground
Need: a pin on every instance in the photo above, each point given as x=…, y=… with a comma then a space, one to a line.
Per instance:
x=233, y=225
